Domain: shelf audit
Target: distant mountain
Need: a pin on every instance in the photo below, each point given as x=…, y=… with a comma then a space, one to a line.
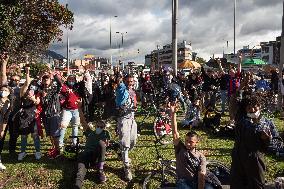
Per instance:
x=53, y=55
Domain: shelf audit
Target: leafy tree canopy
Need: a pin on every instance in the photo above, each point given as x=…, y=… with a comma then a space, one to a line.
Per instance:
x=200, y=60
x=29, y=26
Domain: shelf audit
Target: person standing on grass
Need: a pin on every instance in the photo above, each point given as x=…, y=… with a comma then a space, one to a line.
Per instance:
x=190, y=163
x=94, y=152
x=251, y=139
x=25, y=118
x=5, y=107
x=70, y=109
x=51, y=111
x=127, y=128
x=14, y=84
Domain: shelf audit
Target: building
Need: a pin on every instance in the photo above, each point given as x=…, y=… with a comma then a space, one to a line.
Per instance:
x=163, y=57
x=247, y=52
x=271, y=51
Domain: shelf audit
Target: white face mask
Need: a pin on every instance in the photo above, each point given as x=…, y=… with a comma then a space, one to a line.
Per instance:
x=99, y=130
x=32, y=87
x=254, y=115
x=4, y=94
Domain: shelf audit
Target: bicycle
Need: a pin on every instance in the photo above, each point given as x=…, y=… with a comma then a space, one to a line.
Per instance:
x=71, y=151
x=162, y=127
x=165, y=176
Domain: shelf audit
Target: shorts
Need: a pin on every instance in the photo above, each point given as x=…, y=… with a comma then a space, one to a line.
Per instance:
x=51, y=125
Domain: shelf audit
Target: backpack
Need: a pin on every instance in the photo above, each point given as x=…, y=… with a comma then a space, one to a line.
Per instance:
x=51, y=103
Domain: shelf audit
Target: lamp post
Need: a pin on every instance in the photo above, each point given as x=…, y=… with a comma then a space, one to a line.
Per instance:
x=68, y=69
x=174, y=35
x=235, y=8
x=110, y=46
x=122, y=41
x=281, y=63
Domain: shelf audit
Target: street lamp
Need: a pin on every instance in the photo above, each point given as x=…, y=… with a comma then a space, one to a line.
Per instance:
x=235, y=7
x=68, y=69
x=122, y=35
x=110, y=39
x=174, y=35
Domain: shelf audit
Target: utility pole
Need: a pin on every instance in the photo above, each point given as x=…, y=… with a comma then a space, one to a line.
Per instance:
x=174, y=35
x=281, y=63
x=68, y=63
x=235, y=7
x=110, y=46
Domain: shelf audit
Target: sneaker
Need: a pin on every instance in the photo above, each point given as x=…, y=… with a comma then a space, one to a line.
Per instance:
x=2, y=167
x=102, y=176
x=21, y=156
x=128, y=174
x=54, y=155
x=37, y=155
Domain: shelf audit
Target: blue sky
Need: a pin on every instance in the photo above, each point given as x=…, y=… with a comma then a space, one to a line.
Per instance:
x=207, y=24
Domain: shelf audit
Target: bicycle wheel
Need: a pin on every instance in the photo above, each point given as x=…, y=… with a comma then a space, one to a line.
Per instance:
x=221, y=171
x=162, y=130
x=155, y=180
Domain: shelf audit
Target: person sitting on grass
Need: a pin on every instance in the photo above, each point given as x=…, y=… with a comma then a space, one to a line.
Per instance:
x=190, y=163
x=94, y=152
x=192, y=117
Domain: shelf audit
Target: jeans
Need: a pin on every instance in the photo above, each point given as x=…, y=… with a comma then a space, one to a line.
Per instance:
x=186, y=184
x=66, y=117
x=127, y=129
x=224, y=98
x=24, y=141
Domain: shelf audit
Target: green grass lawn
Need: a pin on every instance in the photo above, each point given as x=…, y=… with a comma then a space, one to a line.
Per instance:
x=59, y=173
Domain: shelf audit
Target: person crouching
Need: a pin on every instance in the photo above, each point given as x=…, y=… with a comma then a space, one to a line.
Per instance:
x=94, y=152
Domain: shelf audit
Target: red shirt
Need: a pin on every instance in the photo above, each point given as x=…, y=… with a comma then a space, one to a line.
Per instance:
x=71, y=98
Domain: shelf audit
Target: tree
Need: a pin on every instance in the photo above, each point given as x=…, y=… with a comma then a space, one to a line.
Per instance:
x=29, y=26
x=200, y=60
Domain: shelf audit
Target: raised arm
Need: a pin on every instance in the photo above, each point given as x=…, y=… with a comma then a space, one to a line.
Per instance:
x=82, y=118
x=24, y=88
x=89, y=82
x=175, y=132
x=220, y=66
x=4, y=62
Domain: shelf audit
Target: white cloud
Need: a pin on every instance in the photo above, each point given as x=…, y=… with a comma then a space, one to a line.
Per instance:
x=208, y=24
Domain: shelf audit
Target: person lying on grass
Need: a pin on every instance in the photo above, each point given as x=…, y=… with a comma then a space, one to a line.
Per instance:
x=94, y=152
x=190, y=163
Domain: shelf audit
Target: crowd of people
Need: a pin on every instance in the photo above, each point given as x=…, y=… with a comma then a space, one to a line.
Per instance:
x=51, y=103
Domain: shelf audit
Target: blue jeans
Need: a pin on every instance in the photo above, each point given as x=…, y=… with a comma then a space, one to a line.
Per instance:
x=224, y=98
x=24, y=141
x=186, y=184
x=66, y=117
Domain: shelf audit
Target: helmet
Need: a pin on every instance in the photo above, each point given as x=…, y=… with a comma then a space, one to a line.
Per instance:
x=70, y=152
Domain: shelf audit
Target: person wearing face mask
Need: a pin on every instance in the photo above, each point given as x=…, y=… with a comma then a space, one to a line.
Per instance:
x=126, y=104
x=5, y=108
x=71, y=94
x=25, y=119
x=252, y=138
x=13, y=83
x=94, y=152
